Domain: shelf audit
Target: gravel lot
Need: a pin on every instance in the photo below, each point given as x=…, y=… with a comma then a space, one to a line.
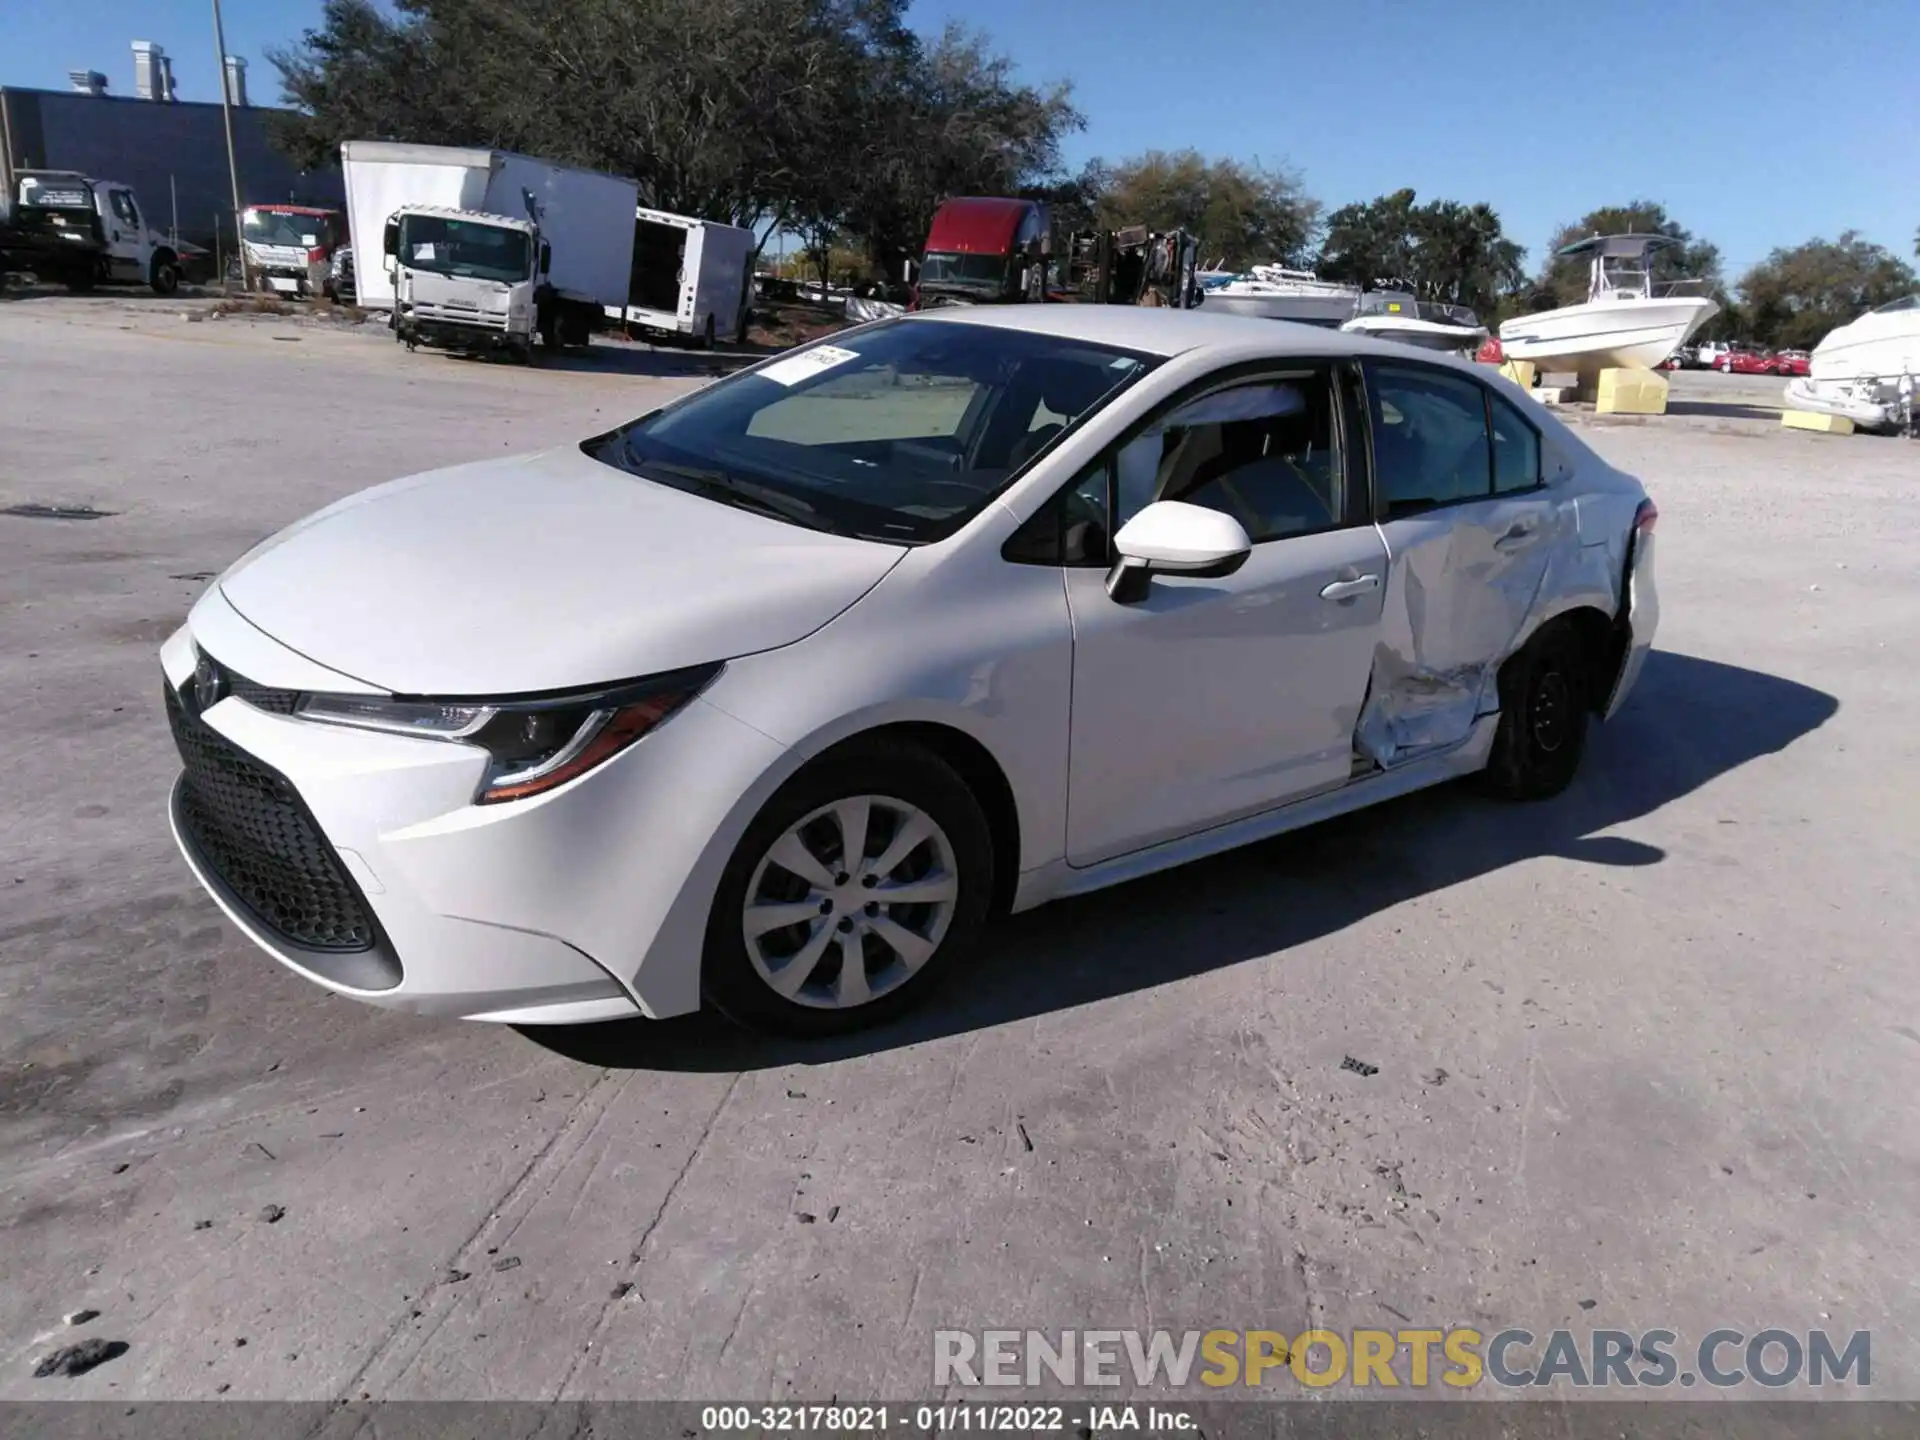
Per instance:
x=1647, y=1055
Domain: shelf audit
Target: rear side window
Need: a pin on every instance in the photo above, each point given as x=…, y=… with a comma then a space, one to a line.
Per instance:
x=1430, y=439
x=1516, y=449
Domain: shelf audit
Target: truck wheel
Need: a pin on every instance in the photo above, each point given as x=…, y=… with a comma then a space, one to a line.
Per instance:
x=165, y=278
x=706, y=336
x=550, y=328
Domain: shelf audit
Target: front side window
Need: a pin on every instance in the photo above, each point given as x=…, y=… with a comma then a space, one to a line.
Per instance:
x=903, y=434
x=1263, y=451
x=466, y=248
x=122, y=204
x=1430, y=443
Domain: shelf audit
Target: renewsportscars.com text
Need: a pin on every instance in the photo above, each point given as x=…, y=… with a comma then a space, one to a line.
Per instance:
x=1410, y=1358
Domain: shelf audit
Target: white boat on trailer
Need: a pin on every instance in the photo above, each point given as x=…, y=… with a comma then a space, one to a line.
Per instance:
x=1622, y=325
x=1272, y=292
x=1429, y=324
x=1868, y=371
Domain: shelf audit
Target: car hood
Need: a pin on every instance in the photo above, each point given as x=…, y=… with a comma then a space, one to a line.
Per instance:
x=542, y=572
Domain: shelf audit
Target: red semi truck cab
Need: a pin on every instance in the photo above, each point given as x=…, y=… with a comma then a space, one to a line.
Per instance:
x=984, y=250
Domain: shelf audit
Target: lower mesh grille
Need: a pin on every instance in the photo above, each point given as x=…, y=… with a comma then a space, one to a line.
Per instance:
x=252, y=830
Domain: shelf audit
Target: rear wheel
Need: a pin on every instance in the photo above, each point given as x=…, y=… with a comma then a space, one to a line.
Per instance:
x=1543, y=718
x=863, y=880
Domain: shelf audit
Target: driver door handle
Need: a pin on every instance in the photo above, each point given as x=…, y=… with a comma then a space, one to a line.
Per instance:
x=1349, y=589
x=1518, y=534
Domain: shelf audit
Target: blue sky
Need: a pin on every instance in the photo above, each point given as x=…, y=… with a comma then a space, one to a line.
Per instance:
x=1758, y=123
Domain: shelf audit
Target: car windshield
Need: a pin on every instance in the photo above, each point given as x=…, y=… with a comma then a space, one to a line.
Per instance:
x=968, y=270
x=465, y=247
x=902, y=434
x=278, y=227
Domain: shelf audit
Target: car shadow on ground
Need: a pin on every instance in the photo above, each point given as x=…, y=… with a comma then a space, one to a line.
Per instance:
x=1689, y=722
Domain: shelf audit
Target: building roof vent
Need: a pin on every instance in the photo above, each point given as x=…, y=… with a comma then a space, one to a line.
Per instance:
x=87, y=82
x=152, y=72
x=236, y=80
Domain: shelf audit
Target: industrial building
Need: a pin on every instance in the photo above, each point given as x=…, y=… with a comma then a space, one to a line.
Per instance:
x=172, y=152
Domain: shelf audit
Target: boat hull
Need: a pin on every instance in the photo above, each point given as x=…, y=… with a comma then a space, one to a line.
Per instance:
x=1425, y=334
x=1627, y=334
x=1867, y=371
x=1330, y=311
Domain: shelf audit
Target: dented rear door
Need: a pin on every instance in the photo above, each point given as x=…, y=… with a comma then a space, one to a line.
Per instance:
x=1465, y=564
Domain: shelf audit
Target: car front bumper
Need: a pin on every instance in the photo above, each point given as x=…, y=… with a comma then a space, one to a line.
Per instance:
x=362, y=864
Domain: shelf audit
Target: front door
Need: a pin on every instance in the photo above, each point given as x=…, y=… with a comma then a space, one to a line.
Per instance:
x=126, y=236
x=1213, y=699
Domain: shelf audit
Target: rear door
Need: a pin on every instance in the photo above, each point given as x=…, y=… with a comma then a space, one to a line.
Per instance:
x=1212, y=699
x=1469, y=528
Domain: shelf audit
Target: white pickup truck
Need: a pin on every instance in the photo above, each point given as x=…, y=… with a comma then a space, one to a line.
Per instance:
x=64, y=226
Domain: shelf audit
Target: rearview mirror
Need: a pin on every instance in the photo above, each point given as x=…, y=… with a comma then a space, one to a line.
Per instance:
x=1170, y=537
x=546, y=257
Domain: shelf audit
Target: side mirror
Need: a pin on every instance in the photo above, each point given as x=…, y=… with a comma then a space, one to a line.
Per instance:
x=546, y=257
x=390, y=238
x=1170, y=537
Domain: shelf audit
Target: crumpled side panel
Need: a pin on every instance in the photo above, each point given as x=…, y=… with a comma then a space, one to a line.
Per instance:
x=1458, y=601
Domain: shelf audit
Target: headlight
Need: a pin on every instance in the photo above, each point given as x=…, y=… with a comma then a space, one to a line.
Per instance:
x=536, y=744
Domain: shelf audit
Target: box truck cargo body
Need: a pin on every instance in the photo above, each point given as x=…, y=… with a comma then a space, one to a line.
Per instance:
x=688, y=277
x=485, y=246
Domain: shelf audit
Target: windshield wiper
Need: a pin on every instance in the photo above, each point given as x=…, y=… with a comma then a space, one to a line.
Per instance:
x=763, y=498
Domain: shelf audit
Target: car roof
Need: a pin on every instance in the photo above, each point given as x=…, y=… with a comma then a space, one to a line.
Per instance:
x=1170, y=332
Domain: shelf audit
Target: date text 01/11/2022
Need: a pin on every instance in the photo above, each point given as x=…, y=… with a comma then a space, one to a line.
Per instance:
x=1014, y=1419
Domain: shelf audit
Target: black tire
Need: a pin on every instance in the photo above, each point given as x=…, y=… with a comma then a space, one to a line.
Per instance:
x=165, y=275
x=550, y=328
x=1543, y=718
x=705, y=339
x=891, y=769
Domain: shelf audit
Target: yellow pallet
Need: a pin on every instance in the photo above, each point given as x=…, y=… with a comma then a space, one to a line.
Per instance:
x=1630, y=392
x=1821, y=424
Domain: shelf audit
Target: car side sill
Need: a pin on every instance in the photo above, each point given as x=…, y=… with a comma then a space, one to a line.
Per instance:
x=1058, y=879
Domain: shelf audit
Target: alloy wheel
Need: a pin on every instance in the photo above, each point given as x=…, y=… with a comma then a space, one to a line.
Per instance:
x=850, y=902
x=1548, y=711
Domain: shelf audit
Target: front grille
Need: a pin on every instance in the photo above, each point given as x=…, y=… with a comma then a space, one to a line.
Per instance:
x=261, y=697
x=251, y=828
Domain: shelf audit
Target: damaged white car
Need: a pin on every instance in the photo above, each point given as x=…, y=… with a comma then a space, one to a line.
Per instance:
x=773, y=698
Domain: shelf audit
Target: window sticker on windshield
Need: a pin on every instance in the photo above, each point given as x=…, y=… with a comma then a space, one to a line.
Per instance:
x=807, y=364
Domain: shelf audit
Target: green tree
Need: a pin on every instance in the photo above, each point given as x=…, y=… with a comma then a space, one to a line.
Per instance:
x=939, y=120
x=1563, y=280
x=768, y=113
x=1795, y=296
x=1241, y=213
x=1442, y=250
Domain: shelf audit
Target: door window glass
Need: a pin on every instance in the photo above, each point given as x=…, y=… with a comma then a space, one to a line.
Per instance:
x=1262, y=452
x=122, y=204
x=1429, y=439
x=1516, y=449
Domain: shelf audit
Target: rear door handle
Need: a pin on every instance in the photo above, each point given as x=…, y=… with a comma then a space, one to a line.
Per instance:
x=1348, y=589
x=1517, y=535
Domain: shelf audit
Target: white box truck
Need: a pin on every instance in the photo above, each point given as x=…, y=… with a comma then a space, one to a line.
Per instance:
x=485, y=249
x=689, y=277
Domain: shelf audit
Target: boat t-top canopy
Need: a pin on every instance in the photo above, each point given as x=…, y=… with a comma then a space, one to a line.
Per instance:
x=1620, y=247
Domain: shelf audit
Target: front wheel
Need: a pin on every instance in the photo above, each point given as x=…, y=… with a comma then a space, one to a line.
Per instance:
x=165, y=278
x=1543, y=719
x=863, y=880
x=707, y=336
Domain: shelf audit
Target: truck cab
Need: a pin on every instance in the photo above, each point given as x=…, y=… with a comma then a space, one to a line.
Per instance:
x=464, y=280
x=82, y=232
x=288, y=246
x=985, y=250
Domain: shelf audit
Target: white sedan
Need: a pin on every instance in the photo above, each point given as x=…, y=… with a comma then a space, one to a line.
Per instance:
x=775, y=697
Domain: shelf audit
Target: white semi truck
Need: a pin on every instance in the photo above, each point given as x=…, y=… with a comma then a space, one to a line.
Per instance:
x=690, y=277
x=484, y=249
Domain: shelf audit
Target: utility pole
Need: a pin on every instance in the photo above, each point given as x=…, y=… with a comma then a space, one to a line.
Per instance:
x=233, y=165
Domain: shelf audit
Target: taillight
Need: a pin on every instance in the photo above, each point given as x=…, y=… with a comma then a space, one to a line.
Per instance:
x=1645, y=518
